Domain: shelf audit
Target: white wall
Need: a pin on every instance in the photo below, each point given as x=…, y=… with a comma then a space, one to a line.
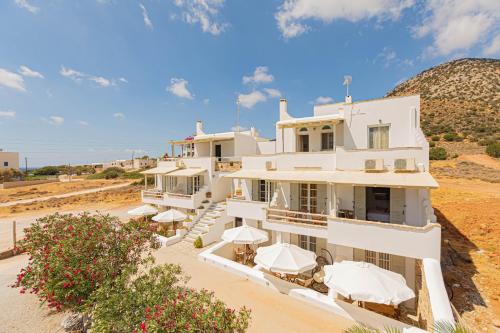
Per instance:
x=11, y=158
x=244, y=144
x=266, y=147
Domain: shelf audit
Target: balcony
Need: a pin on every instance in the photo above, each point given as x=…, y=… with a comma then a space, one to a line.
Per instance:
x=227, y=165
x=152, y=196
x=403, y=240
x=184, y=200
x=239, y=207
x=302, y=223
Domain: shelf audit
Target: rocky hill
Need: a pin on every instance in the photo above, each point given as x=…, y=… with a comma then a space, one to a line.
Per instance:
x=460, y=96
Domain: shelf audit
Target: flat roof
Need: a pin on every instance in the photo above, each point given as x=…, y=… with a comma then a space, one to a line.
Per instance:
x=159, y=170
x=375, y=179
x=314, y=120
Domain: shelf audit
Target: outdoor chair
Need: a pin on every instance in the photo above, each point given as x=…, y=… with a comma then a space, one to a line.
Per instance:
x=304, y=281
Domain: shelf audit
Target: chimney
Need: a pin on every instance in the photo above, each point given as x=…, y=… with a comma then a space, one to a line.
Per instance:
x=284, y=109
x=348, y=99
x=253, y=131
x=199, y=127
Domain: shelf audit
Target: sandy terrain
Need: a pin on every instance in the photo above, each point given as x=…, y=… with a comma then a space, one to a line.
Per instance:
x=43, y=190
x=469, y=212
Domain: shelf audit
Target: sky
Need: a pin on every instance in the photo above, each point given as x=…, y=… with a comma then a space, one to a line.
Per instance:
x=95, y=80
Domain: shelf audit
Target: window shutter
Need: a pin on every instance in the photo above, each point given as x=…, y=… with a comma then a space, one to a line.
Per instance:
x=397, y=213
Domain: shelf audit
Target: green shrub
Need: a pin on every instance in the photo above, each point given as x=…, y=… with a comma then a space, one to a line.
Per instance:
x=111, y=174
x=450, y=136
x=47, y=171
x=432, y=144
x=9, y=175
x=72, y=255
x=436, y=138
x=133, y=175
x=198, y=243
x=159, y=301
x=493, y=149
x=437, y=153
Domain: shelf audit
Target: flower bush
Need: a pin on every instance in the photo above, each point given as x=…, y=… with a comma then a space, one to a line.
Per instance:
x=71, y=256
x=159, y=301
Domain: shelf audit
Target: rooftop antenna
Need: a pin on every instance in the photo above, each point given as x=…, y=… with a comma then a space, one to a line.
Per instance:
x=347, y=82
x=238, y=114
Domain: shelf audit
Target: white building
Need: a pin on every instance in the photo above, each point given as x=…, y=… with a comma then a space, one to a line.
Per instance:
x=350, y=182
x=9, y=160
x=195, y=182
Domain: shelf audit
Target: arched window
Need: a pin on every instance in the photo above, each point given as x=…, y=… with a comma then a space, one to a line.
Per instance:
x=327, y=138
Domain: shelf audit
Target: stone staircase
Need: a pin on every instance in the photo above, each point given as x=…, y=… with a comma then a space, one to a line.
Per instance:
x=209, y=218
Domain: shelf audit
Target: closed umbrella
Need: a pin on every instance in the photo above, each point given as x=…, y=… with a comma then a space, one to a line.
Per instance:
x=171, y=215
x=143, y=211
x=362, y=281
x=245, y=235
x=285, y=258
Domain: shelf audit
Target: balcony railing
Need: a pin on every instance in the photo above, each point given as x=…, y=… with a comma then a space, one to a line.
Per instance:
x=227, y=166
x=152, y=194
x=290, y=216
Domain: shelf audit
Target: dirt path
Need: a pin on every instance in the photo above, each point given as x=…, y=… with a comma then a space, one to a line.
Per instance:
x=65, y=195
x=482, y=159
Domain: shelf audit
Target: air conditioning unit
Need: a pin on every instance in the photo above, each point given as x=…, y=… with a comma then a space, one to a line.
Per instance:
x=404, y=164
x=374, y=165
x=270, y=165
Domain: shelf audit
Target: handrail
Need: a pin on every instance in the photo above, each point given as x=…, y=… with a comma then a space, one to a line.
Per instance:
x=290, y=216
x=424, y=228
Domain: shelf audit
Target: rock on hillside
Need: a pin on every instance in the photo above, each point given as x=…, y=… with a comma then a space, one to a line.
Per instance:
x=461, y=96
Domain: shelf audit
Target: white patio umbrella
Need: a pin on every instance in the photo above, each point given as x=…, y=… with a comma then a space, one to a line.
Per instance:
x=143, y=211
x=285, y=258
x=362, y=281
x=245, y=235
x=171, y=215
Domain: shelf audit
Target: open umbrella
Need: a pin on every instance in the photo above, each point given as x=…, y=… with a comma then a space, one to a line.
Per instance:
x=362, y=281
x=171, y=215
x=143, y=211
x=245, y=235
x=285, y=258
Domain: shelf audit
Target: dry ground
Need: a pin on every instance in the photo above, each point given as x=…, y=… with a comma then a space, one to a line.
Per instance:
x=43, y=190
x=469, y=210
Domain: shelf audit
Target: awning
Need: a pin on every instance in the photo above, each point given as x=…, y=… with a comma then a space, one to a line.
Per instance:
x=379, y=179
x=311, y=121
x=159, y=170
x=188, y=172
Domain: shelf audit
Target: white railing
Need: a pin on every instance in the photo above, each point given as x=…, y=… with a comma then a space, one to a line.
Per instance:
x=152, y=194
x=290, y=216
x=246, y=209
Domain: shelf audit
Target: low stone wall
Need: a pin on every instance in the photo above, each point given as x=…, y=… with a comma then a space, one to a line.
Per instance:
x=27, y=183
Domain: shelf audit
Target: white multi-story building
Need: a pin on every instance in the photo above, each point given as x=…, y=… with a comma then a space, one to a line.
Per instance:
x=350, y=182
x=9, y=160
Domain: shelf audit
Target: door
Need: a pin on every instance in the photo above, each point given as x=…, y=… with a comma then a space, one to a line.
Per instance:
x=218, y=151
x=360, y=203
x=304, y=143
x=397, y=211
x=308, y=198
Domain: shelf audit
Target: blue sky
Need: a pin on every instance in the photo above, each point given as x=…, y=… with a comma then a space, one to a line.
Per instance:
x=94, y=80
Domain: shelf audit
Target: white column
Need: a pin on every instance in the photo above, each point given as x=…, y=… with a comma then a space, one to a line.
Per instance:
x=334, y=199
x=145, y=182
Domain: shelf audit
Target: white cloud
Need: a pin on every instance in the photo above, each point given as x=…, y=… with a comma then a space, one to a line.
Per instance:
x=249, y=100
x=103, y=82
x=292, y=13
x=206, y=101
x=72, y=74
x=458, y=25
x=494, y=47
x=54, y=120
x=388, y=56
x=118, y=115
x=203, y=12
x=272, y=93
x=26, y=5
x=83, y=123
x=7, y=114
x=78, y=76
x=11, y=80
x=145, y=16
x=323, y=100
x=178, y=87
x=25, y=71
x=260, y=75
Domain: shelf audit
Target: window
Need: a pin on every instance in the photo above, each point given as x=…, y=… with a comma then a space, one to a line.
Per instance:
x=303, y=140
x=5, y=164
x=382, y=260
x=307, y=243
x=327, y=139
x=238, y=222
x=308, y=198
x=378, y=137
x=265, y=190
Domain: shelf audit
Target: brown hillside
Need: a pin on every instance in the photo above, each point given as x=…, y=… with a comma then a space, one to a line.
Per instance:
x=461, y=96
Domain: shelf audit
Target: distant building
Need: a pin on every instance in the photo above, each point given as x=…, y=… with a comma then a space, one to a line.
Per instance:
x=9, y=160
x=136, y=163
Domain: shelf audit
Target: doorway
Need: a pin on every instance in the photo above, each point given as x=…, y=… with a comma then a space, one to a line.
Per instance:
x=218, y=152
